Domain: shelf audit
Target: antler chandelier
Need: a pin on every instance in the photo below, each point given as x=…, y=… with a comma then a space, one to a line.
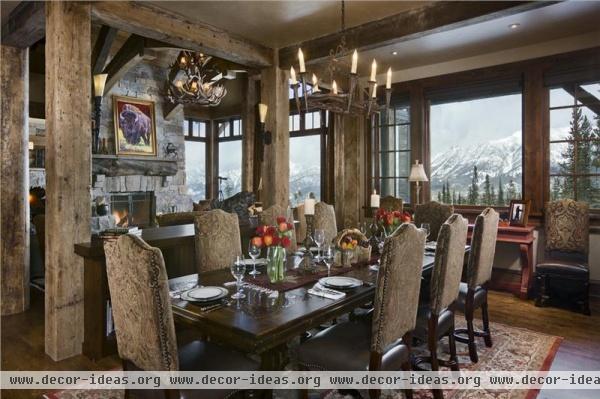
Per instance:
x=192, y=81
x=357, y=100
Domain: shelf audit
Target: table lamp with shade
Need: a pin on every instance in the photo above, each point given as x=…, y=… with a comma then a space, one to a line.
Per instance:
x=418, y=175
x=99, y=82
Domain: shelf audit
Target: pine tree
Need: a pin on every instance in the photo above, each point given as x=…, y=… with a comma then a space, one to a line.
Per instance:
x=487, y=192
x=474, y=188
x=447, y=198
x=511, y=192
x=443, y=198
x=454, y=196
x=493, y=200
x=460, y=199
x=501, y=200
x=439, y=196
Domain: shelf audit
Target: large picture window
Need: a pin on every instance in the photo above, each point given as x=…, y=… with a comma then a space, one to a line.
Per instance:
x=391, y=153
x=306, y=138
x=575, y=143
x=195, y=157
x=230, y=156
x=476, y=151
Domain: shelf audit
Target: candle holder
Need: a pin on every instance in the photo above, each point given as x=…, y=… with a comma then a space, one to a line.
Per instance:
x=352, y=89
x=96, y=129
x=308, y=262
x=388, y=98
x=303, y=80
x=372, y=85
x=295, y=87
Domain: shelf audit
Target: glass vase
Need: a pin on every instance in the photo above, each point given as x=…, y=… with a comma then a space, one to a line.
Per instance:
x=276, y=264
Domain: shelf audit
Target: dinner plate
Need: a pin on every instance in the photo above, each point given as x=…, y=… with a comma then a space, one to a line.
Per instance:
x=205, y=294
x=340, y=282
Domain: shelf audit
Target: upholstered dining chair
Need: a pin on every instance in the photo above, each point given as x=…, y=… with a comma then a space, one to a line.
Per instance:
x=218, y=240
x=145, y=331
x=564, y=272
x=473, y=292
x=433, y=213
x=178, y=218
x=325, y=220
x=391, y=203
x=435, y=320
x=382, y=341
x=269, y=216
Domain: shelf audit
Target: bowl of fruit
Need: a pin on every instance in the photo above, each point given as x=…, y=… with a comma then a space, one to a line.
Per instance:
x=353, y=246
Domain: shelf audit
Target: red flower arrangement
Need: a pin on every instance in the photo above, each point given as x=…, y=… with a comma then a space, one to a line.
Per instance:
x=280, y=235
x=392, y=218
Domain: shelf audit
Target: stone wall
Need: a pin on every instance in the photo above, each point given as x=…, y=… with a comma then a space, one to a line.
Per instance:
x=146, y=82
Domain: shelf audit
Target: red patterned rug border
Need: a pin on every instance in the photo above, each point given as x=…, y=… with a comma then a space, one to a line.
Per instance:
x=533, y=393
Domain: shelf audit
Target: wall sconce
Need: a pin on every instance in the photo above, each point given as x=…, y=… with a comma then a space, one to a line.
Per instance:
x=99, y=82
x=267, y=137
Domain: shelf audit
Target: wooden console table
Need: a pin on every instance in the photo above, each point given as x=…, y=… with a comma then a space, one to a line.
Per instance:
x=522, y=236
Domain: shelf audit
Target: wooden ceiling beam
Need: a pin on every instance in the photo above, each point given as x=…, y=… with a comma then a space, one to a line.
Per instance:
x=149, y=21
x=26, y=25
x=129, y=55
x=408, y=25
x=105, y=39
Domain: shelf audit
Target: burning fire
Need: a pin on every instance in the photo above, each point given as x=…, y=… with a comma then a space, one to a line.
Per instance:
x=122, y=218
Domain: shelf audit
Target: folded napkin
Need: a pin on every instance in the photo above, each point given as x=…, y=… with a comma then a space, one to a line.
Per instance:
x=319, y=290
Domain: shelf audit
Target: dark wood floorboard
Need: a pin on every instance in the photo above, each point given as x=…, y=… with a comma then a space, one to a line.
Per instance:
x=23, y=340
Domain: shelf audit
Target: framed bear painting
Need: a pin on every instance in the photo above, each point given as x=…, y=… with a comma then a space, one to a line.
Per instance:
x=135, y=126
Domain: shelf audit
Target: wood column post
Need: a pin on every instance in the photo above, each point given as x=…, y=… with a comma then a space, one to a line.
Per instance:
x=419, y=137
x=14, y=229
x=68, y=171
x=349, y=168
x=248, y=139
x=275, y=173
x=535, y=109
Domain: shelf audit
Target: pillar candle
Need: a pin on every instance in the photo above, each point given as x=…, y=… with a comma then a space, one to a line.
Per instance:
x=373, y=71
x=354, y=62
x=293, y=76
x=309, y=206
x=301, y=61
x=375, y=199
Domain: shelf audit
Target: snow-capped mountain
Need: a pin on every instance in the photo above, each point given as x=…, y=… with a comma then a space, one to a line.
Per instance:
x=499, y=159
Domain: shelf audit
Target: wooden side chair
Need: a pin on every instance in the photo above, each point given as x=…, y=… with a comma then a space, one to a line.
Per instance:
x=433, y=213
x=564, y=274
x=178, y=218
x=435, y=320
x=269, y=216
x=218, y=240
x=146, y=340
x=382, y=341
x=473, y=293
x=325, y=220
x=391, y=203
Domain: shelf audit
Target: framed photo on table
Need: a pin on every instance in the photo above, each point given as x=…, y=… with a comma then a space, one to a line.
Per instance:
x=519, y=212
x=135, y=126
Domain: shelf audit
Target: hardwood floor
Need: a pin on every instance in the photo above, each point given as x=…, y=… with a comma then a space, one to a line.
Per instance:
x=23, y=340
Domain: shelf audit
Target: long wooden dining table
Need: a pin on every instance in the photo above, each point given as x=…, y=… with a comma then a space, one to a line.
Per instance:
x=263, y=325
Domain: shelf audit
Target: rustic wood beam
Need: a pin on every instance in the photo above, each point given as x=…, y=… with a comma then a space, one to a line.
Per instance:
x=14, y=182
x=408, y=25
x=170, y=109
x=105, y=39
x=68, y=171
x=25, y=26
x=153, y=22
x=129, y=55
x=249, y=123
x=130, y=167
x=276, y=166
x=586, y=98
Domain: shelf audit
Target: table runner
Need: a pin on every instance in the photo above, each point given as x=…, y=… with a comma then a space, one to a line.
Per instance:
x=295, y=278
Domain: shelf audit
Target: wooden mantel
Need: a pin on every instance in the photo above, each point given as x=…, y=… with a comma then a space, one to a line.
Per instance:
x=111, y=165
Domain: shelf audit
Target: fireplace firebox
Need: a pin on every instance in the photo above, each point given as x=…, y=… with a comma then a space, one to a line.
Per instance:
x=133, y=209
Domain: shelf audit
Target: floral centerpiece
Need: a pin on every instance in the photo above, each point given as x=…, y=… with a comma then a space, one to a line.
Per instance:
x=390, y=220
x=276, y=239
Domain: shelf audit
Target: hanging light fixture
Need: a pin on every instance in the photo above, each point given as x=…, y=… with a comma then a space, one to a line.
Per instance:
x=192, y=81
x=357, y=100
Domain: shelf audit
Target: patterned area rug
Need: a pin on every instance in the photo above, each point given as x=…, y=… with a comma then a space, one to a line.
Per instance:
x=513, y=349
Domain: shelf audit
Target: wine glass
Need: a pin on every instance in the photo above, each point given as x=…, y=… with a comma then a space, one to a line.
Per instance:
x=426, y=228
x=319, y=240
x=237, y=270
x=328, y=257
x=254, y=252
